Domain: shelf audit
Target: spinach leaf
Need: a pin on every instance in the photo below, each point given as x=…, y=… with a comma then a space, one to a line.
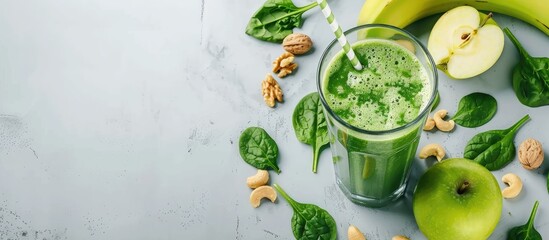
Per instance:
x=436, y=102
x=310, y=221
x=526, y=231
x=495, y=148
x=475, y=110
x=276, y=19
x=530, y=77
x=310, y=125
x=258, y=149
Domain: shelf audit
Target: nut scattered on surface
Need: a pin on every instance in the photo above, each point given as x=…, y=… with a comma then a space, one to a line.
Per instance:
x=429, y=124
x=260, y=193
x=515, y=185
x=284, y=64
x=297, y=43
x=530, y=154
x=442, y=125
x=400, y=237
x=433, y=149
x=354, y=234
x=271, y=90
x=407, y=44
x=259, y=179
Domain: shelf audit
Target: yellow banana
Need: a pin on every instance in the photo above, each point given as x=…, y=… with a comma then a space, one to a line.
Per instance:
x=401, y=13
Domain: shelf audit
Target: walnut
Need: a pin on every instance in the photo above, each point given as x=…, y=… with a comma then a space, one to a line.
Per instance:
x=297, y=43
x=530, y=154
x=271, y=90
x=284, y=64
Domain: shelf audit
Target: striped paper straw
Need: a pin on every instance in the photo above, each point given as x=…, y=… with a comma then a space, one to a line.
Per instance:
x=339, y=33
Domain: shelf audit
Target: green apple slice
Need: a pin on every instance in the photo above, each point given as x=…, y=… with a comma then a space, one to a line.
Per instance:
x=465, y=43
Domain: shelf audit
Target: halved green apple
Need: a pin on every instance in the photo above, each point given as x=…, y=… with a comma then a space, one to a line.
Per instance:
x=465, y=43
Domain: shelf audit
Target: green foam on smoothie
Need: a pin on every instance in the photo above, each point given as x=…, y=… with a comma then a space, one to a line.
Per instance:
x=389, y=92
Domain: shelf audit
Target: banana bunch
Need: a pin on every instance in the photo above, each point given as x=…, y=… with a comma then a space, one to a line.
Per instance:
x=401, y=13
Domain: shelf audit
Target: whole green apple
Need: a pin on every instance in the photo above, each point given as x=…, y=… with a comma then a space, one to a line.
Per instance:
x=457, y=199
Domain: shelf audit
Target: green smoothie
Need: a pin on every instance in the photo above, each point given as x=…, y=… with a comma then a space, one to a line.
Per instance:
x=390, y=92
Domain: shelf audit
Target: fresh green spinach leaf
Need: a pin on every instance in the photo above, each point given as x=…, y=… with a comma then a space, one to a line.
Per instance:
x=526, y=231
x=436, y=101
x=276, y=19
x=495, y=148
x=310, y=125
x=475, y=110
x=258, y=149
x=310, y=221
x=530, y=76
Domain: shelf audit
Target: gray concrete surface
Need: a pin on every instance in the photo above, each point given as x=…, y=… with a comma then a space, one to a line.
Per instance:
x=120, y=120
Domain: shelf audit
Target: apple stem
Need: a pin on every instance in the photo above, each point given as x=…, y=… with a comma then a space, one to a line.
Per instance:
x=464, y=186
x=486, y=20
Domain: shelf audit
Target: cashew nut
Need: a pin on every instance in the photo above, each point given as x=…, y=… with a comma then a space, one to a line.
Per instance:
x=515, y=185
x=354, y=234
x=259, y=179
x=429, y=124
x=400, y=237
x=433, y=149
x=442, y=125
x=260, y=193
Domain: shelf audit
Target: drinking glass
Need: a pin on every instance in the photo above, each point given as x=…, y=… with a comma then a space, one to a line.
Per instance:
x=372, y=167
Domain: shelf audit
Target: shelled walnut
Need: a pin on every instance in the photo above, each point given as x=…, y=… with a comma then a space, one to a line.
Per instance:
x=284, y=64
x=271, y=90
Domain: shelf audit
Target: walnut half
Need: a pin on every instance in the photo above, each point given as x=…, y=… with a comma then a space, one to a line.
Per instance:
x=284, y=64
x=271, y=90
x=530, y=154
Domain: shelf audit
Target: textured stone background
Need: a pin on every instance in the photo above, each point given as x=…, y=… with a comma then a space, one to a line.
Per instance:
x=120, y=120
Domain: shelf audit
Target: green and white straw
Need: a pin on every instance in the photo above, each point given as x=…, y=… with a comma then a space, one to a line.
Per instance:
x=339, y=33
